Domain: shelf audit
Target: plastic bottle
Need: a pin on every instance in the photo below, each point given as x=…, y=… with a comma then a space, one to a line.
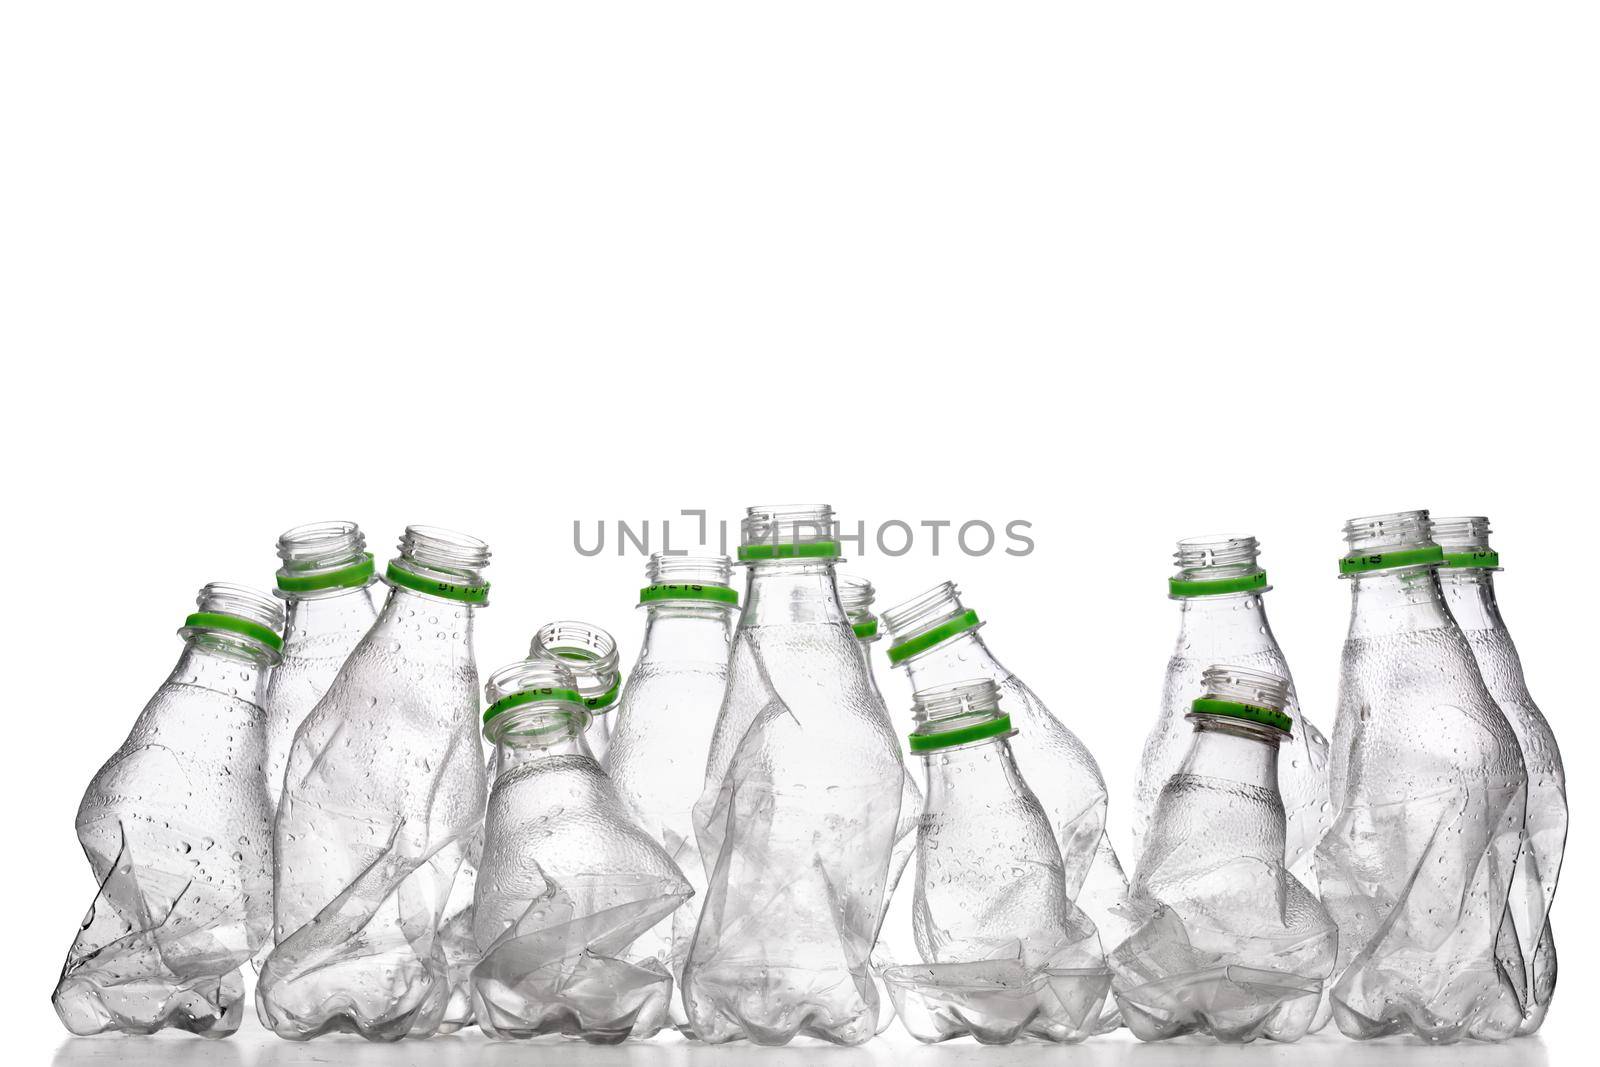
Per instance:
x=1229, y=942
x=1429, y=796
x=175, y=826
x=802, y=803
x=384, y=790
x=1467, y=578
x=591, y=655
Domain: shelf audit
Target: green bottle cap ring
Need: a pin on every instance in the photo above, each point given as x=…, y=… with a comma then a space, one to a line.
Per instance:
x=667, y=591
x=1382, y=561
x=964, y=736
x=1251, y=712
x=356, y=574
x=866, y=629
x=467, y=594
x=898, y=654
x=1486, y=558
x=531, y=696
x=210, y=620
x=791, y=550
x=604, y=701
x=1217, y=586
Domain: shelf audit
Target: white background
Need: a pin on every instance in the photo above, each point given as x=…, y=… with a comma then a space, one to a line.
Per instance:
x=1129, y=273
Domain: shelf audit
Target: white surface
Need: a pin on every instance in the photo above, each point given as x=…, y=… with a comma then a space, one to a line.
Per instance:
x=1129, y=273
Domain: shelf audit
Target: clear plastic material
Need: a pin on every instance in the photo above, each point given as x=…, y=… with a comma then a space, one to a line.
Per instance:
x=945, y=648
x=323, y=627
x=384, y=790
x=1429, y=796
x=1228, y=942
x=1231, y=627
x=567, y=882
x=591, y=654
x=1525, y=934
x=801, y=805
x=177, y=831
x=663, y=727
x=1005, y=954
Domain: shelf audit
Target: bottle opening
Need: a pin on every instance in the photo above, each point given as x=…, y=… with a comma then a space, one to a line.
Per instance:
x=926, y=621
x=588, y=653
x=441, y=563
x=1465, y=541
x=239, y=615
x=536, y=699
x=688, y=570
x=1217, y=564
x=323, y=555
x=788, y=532
x=856, y=596
x=1387, y=542
x=958, y=714
x=1247, y=695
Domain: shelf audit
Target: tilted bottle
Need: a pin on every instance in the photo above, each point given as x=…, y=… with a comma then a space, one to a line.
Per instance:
x=1229, y=942
x=1005, y=953
x=175, y=826
x=663, y=726
x=568, y=882
x=384, y=790
x=802, y=802
x=1429, y=795
x=326, y=582
x=591, y=655
x=1467, y=578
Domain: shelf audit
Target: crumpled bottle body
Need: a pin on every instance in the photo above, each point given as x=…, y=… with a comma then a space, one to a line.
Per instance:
x=384, y=788
x=175, y=826
x=1227, y=942
x=1430, y=794
x=796, y=829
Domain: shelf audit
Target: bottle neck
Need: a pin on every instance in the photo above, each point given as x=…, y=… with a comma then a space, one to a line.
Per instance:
x=336, y=611
x=687, y=633
x=974, y=773
x=1469, y=592
x=961, y=658
x=534, y=734
x=1399, y=601
x=783, y=592
x=444, y=626
x=221, y=667
x=1232, y=751
x=1215, y=628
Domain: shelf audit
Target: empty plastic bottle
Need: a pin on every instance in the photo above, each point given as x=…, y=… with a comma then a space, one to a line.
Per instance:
x=1429, y=795
x=1229, y=943
x=175, y=826
x=327, y=582
x=591, y=655
x=663, y=726
x=1467, y=578
x=568, y=882
x=384, y=790
x=1220, y=590
x=936, y=639
x=1005, y=953
x=802, y=802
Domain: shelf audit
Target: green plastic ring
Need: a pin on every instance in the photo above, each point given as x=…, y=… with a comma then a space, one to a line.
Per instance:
x=1381, y=561
x=531, y=696
x=1252, y=712
x=667, y=591
x=963, y=736
x=791, y=550
x=604, y=701
x=898, y=654
x=210, y=620
x=866, y=629
x=1486, y=558
x=1217, y=586
x=356, y=574
x=467, y=594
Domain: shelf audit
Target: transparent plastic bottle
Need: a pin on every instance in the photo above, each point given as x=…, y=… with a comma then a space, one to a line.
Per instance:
x=663, y=727
x=326, y=582
x=175, y=826
x=568, y=882
x=591, y=655
x=802, y=801
x=1429, y=795
x=1220, y=589
x=936, y=639
x=384, y=790
x=1229, y=942
x=1467, y=578
x=1005, y=953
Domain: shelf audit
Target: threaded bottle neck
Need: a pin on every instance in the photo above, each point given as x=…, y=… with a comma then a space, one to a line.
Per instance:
x=953, y=716
x=588, y=653
x=1217, y=565
x=533, y=703
x=856, y=596
x=323, y=559
x=689, y=570
x=238, y=620
x=793, y=534
x=441, y=563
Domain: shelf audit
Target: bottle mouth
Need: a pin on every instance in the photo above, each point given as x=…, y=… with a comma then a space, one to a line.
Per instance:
x=772, y=532
x=957, y=714
x=686, y=579
x=441, y=563
x=1217, y=564
x=238, y=615
x=534, y=697
x=1465, y=542
x=588, y=653
x=926, y=621
x=1242, y=693
x=856, y=596
x=1389, y=542
x=323, y=556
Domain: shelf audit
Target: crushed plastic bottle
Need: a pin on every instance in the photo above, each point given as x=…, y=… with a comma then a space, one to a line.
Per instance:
x=1229, y=943
x=385, y=789
x=936, y=639
x=663, y=726
x=1005, y=954
x=591, y=655
x=1220, y=590
x=1467, y=578
x=1429, y=796
x=175, y=826
x=802, y=802
x=327, y=581
x=568, y=882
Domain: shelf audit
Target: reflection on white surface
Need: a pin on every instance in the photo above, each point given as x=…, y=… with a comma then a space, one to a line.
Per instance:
x=253, y=1048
